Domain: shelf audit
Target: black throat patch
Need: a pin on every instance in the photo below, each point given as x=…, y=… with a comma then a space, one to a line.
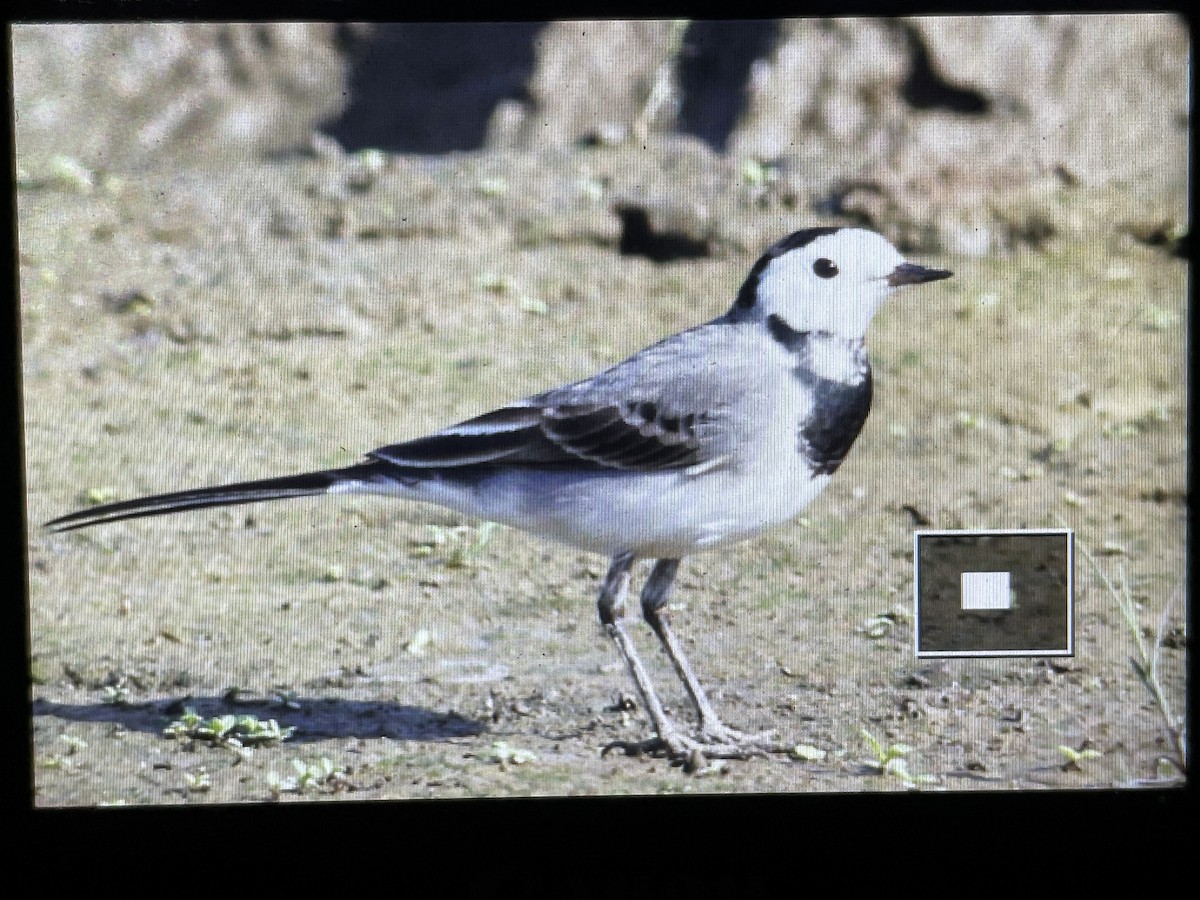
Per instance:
x=839, y=408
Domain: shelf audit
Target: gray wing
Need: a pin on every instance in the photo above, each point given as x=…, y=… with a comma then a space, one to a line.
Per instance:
x=667, y=407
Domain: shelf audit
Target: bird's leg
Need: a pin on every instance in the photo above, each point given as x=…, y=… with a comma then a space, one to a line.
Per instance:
x=655, y=594
x=612, y=615
x=712, y=730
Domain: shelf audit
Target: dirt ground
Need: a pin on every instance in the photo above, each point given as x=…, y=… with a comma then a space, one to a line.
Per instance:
x=186, y=328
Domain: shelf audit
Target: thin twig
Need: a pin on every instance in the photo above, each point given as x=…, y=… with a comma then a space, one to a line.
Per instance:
x=1179, y=729
x=1146, y=663
x=1162, y=625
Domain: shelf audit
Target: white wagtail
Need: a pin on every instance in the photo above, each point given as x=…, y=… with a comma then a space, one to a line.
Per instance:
x=702, y=439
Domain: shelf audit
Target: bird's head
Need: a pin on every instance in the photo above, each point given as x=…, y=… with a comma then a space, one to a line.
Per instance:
x=827, y=279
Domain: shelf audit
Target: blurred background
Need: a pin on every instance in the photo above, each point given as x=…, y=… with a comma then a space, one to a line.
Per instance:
x=918, y=125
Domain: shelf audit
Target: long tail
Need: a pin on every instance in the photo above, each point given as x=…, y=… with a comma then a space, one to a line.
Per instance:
x=305, y=485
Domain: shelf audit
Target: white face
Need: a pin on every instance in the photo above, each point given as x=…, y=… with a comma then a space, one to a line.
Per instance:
x=835, y=283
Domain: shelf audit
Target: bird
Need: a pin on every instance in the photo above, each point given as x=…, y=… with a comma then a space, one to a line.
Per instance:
x=706, y=438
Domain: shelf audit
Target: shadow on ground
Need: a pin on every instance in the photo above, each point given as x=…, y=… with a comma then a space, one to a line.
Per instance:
x=314, y=720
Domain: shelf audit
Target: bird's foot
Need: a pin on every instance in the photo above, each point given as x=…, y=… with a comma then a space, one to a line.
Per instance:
x=713, y=741
x=759, y=743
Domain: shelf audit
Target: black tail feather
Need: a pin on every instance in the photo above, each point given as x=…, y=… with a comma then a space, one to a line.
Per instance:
x=303, y=485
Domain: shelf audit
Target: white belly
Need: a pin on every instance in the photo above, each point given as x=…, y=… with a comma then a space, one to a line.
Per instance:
x=664, y=514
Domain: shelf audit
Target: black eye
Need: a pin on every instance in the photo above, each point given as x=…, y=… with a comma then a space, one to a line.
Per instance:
x=825, y=268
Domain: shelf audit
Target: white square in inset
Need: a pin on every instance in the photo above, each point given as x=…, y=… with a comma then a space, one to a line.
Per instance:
x=986, y=590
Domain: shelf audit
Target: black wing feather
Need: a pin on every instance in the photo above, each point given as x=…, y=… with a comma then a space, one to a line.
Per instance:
x=627, y=436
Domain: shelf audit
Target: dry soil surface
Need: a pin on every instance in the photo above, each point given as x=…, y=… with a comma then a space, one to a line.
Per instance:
x=185, y=328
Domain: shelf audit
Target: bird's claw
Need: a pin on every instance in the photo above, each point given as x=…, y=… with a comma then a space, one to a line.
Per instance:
x=713, y=741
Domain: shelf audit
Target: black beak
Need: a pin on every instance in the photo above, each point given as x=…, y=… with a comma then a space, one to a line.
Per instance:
x=911, y=273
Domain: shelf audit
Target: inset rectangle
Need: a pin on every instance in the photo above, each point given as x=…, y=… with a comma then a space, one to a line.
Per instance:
x=994, y=593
